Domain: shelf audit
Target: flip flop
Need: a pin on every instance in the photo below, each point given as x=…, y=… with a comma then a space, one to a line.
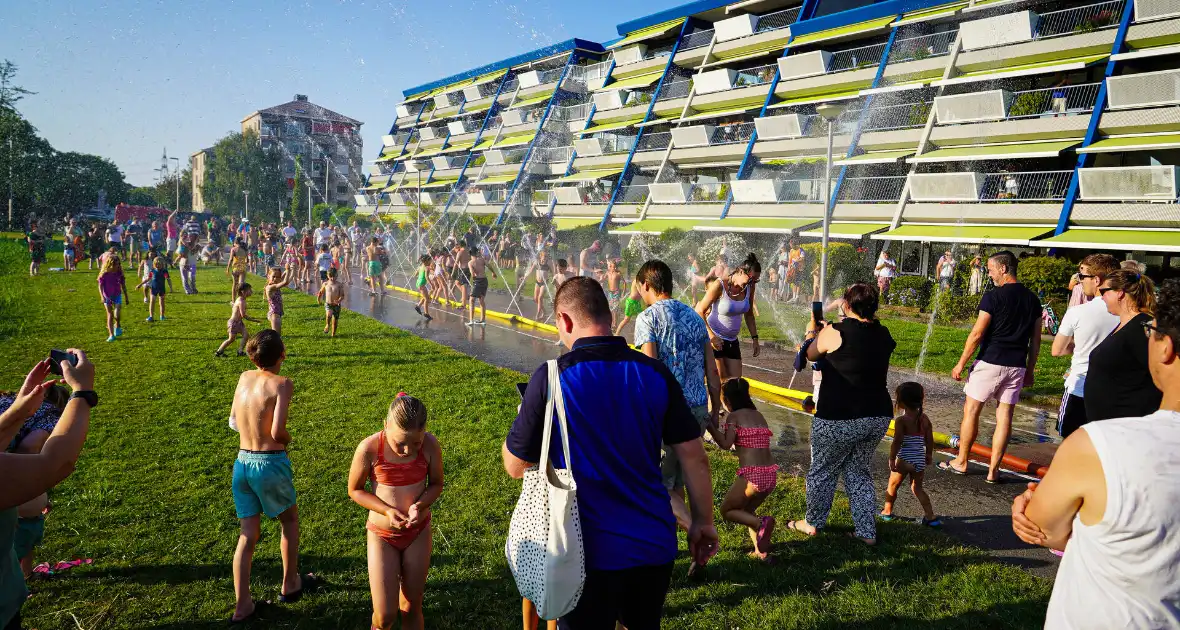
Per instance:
x=253, y=616
x=764, y=534
x=309, y=583
x=934, y=522
x=947, y=467
x=795, y=526
x=886, y=517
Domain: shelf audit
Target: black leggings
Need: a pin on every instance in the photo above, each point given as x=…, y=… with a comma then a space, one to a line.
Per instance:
x=633, y=596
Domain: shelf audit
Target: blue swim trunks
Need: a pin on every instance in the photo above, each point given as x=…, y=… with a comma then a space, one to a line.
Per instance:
x=263, y=483
x=29, y=534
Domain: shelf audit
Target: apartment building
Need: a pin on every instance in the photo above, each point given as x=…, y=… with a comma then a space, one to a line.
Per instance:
x=199, y=163
x=1032, y=124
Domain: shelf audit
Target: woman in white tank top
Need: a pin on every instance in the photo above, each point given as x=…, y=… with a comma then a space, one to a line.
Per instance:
x=1111, y=501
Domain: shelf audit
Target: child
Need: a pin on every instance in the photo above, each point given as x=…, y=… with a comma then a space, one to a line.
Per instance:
x=403, y=462
x=155, y=281
x=426, y=264
x=112, y=288
x=144, y=273
x=239, y=259
x=479, y=289
x=187, y=261
x=539, y=287
x=236, y=324
x=331, y=293
x=275, y=281
x=757, y=474
x=262, y=482
x=324, y=263
x=67, y=252
x=632, y=307
x=563, y=274
x=614, y=286
x=911, y=453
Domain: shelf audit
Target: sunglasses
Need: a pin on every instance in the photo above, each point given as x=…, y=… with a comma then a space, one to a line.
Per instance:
x=1103, y=290
x=1084, y=276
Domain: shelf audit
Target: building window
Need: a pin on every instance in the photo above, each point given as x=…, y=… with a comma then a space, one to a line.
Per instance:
x=342, y=190
x=294, y=128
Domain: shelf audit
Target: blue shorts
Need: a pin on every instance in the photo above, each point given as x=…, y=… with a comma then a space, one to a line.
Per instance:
x=29, y=534
x=114, y=301
x=263, y=484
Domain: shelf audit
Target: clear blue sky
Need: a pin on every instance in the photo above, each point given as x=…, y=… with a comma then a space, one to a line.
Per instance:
x=126, y=79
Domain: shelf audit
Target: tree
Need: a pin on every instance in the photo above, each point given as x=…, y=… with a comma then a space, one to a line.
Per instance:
x=142, y=196
x=299, y=197
x=10, y=93
x=240, y=163
x=164, y=193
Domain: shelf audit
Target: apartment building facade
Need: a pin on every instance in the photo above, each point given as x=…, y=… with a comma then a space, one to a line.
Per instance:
x=1034, y=124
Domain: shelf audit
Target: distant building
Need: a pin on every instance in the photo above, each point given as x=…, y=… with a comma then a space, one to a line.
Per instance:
x=198, y=162
x=329, y=145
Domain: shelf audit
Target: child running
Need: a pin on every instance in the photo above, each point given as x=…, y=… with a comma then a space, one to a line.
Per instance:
x=112, y=289
x=236, y=324
x=155, y=283
x=331, y=294
x=403, y=462
x=275, y=281
x=422, y=282
x=757, y=474
x=262, y=481
x=373, y=267
x=239, y=259
x=911, y=453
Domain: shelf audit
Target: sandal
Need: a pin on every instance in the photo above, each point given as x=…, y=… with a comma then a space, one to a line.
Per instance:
x=764, y=535
x=933, y=522
x=309, y=582
x=947, y=467
x=886, y=517
x=795, y=526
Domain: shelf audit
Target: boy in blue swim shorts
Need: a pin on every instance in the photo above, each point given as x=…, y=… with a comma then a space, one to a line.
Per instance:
x=262, y=480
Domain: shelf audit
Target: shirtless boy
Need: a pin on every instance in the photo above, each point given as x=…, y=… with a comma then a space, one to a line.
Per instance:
x=479, y=289
x=262, y=482
x=373, y=266
x=331, y=294
x=462, y=261
x=235, y=326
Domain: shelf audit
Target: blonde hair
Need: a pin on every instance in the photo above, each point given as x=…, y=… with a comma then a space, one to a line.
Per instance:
x=407, y=412
x=111, y=264
x=158, y=263
x=1139, y=289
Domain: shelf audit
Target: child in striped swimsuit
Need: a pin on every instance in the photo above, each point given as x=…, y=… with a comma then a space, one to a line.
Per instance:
x=913, y=446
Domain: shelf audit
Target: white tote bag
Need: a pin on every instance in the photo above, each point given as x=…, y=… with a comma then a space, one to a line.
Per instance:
x=544, y=547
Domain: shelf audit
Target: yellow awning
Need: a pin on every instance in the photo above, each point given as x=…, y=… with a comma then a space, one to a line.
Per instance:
x=1134, y=143
x=586, y=176
x=875, y=157
x=859, y=28
x=1016, y=151
x=515, y=140
x=640, y=81
x=1024, y=70
x=391, y=188
x=496, y=179
x=651, y=32
x=378, y=182
x=533, y=100
x=612, y=126
x=485, y=143
x=921, y=15
x=458, y=147
x=440, y=183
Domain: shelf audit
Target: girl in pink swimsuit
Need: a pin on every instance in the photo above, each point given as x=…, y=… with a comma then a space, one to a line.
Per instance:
x=757, y=474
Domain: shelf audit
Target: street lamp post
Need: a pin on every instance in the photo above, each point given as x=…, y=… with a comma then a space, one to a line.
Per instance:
x=309, y=204
x=418, y=215
x=177, y=160
x=247, y=194
x=829, y=112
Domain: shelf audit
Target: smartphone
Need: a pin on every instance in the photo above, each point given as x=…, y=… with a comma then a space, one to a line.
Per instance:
x=520, y=387
x=817, y=312
x=57, y=356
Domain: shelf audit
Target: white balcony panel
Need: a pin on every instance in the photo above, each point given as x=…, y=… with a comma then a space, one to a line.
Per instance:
x=388, y=141
x=1129, y=183
x=511, y=117
x=529, y=79
x=714, y=81
x=1145, y=89
x=460, y=126
x=429, y=133
x=1000, y=30
x=946, y=186
x=413, y=166
x=567, y=194
x=735, y=27
x=441, y=162
x=676, y=192
x=695, y=136
x=804, y=65
x=429, y=198
x=1155, y=9
x=477, y=198
x=405, y=111
x=588, y=147
x=973, y=107
x=779, y=127
x=609, y=99
x=630, y=54
x=756, y=190
x=472, y=93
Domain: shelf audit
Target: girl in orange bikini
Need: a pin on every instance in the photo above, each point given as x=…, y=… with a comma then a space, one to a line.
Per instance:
x=404, y=464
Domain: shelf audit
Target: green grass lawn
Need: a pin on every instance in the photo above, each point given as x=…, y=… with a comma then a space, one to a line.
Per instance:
x=150, y=500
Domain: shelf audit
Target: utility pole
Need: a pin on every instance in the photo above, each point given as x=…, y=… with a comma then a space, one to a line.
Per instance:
x=309, y=203
x=177, y=160
x=247, y=194
x=11, y=157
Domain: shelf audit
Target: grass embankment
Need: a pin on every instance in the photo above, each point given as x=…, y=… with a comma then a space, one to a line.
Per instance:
x=151, y=503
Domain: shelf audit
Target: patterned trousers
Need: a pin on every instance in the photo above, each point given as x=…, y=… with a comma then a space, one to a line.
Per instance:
x=844, y=448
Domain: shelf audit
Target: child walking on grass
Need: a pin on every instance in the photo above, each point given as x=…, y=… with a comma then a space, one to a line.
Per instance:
x=144, y=273
x=422, y=282
x=331, y=294
x=155, y=283
x=236, y=324
x=912, y=450
x=275, y=281
x=112, y=289
x=757, y=474
x=397, y=474
x=262, y=479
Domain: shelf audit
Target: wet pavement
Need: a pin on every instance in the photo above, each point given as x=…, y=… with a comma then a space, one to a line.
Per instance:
x=973, y=512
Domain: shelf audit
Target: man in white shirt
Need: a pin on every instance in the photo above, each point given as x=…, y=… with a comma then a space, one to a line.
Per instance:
x=115, y=236
x=1082, y=328
x=289, y=232
x=946, y=271
x=323, y=234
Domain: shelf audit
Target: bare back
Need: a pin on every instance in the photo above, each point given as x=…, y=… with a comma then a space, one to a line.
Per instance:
x=260, y=402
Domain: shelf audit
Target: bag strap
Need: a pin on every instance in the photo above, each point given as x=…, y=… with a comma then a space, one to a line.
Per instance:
x=555, y=401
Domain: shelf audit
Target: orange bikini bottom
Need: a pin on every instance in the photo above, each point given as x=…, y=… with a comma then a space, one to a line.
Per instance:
x=400, y=539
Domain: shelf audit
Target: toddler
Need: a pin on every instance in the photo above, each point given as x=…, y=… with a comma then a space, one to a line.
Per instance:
x=913, y=447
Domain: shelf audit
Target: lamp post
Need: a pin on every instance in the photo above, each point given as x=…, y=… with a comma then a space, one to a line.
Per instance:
x=309, y=204
x=177, y=160
x=829, y=112
x=418, y=218
x=247, y=194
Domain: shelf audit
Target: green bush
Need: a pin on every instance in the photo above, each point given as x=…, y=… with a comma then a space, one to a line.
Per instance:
x=912, y=291
x=1046, y=276
x=949, y=307
x=845, y=266
x=1028, y=104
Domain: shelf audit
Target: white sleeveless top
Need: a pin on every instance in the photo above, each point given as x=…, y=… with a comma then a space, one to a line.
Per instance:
x=1124, y=572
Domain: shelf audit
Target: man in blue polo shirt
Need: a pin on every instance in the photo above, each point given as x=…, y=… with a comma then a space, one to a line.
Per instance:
x=620, y=406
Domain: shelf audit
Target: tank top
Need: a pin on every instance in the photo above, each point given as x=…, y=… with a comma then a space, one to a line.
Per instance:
x=725, y=318
x=1124, y=571
x=854, y=383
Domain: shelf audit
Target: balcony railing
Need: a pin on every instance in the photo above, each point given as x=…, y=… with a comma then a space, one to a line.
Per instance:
x=567, y=113
x=731, y=134
x=590, y=72
x=777, y=20
x=872, y=189
x=542, y=197
x=636, y=194
x=399, y=140
x=708, y=193
x=1085, y=19
x=654, y=141
x=553, y=155
x=638, y=98
x=510, y=85
x=1054, y=101
x=549, y=76
x=800, y=190
x=922, y=47
x=453, y=161
x=902, y=116
x=1027, y=186
x=699, y=39
x=856, y=58
x=758, y=75
x=495, y=195
x=814, y=126
x=675, y=89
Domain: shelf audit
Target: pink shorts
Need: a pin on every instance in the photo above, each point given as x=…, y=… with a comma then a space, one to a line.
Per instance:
x=762, y=478
x=989, y=381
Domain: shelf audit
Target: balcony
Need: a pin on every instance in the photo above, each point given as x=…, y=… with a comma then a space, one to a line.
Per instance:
x=592, y=74
x=1144, y=89
x=478, y=92
x=534, y=78
x=465, y=125
x=778, y=190
x=553, y=155
x=685, y=192
x=432, y=133
x=654, y=141
x=1129, y=183
x=922, y=47
x=885, y=189
x=446, y=162
x=449, y=99
x=993, y=105
x=604, y=144
x=585, y=193
x=699, y=39
x=522, y=116
x=746, y=25
x=571, y=113
x=974, y=187
x=500, y=157
x=713, y=135
x=487, y=196
x=818, y=62
x=1085, y=19
x=725, y=79
x=634, y=194
x=901, y=116
x=410, y=110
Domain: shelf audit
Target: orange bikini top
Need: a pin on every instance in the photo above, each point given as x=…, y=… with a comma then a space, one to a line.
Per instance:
x=394, y=474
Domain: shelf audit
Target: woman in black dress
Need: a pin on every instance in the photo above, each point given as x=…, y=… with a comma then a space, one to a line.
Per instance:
x=1118, y=384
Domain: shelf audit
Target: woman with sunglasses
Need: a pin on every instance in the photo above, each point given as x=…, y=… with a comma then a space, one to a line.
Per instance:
x=725, y=304
x=1118, y=384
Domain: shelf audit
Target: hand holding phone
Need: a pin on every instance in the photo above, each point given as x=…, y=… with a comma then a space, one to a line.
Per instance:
x=817, y=313
x=57, y=356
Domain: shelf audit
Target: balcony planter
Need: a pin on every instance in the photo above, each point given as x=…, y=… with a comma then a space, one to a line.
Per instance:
x=568, y=195
x=588, y=147
x=1010, y=28
x=676, y=192
x=965, y=186
x=735, y=27
x=529, y=79
x=780, y=127
x=974, y=107
x=1129, y=183
x=609, y=99
x=756, y=190
x=804, y=65
x=714, y=81
x=630, y=54
x=405, y=111
x=695, y=136
x=1144, y=89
